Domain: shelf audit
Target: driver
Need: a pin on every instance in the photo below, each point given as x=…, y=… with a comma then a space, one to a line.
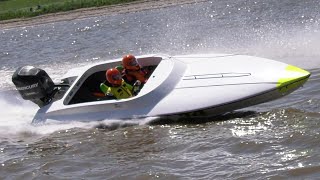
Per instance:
x=119, y=88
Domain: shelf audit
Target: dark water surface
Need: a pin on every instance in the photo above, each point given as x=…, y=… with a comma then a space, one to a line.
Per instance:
x=276, y=140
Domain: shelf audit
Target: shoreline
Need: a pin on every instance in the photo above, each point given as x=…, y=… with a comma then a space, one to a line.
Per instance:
x=135, y=6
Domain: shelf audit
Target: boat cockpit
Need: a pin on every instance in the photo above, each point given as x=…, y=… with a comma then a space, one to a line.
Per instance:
x=87, y=87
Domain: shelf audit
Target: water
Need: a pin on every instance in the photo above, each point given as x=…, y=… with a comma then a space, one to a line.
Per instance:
x=276, y=140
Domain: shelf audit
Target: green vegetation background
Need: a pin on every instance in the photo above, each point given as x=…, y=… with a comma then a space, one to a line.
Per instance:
x=11, y=9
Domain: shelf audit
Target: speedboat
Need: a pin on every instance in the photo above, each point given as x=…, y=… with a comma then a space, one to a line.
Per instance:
x=197, y=84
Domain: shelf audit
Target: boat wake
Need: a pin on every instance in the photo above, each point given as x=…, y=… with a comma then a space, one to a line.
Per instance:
x=17, y=115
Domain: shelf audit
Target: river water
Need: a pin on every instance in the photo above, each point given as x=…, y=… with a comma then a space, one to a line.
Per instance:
x=276, y=140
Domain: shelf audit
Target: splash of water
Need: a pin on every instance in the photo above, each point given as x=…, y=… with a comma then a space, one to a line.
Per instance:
x=17, y=115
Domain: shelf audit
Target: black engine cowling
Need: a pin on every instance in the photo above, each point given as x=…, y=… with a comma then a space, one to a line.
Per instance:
x=34, y=84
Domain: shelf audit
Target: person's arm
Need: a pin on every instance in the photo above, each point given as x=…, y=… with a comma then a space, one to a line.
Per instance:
x=105, y=89
x=136, y=87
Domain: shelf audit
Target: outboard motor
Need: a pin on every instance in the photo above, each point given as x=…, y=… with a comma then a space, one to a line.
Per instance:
x=34, y=84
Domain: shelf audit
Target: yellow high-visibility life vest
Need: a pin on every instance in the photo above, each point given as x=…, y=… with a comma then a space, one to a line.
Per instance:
x=121, y=92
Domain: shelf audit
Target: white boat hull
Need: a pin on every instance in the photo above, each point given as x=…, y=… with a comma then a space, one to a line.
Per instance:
x=212, y=83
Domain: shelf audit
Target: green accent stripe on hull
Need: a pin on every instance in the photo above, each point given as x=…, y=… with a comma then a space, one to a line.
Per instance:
x=294, y=77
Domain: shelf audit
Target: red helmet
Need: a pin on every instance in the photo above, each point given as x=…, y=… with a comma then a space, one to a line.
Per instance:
x=129, y=62
x=114, y=77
